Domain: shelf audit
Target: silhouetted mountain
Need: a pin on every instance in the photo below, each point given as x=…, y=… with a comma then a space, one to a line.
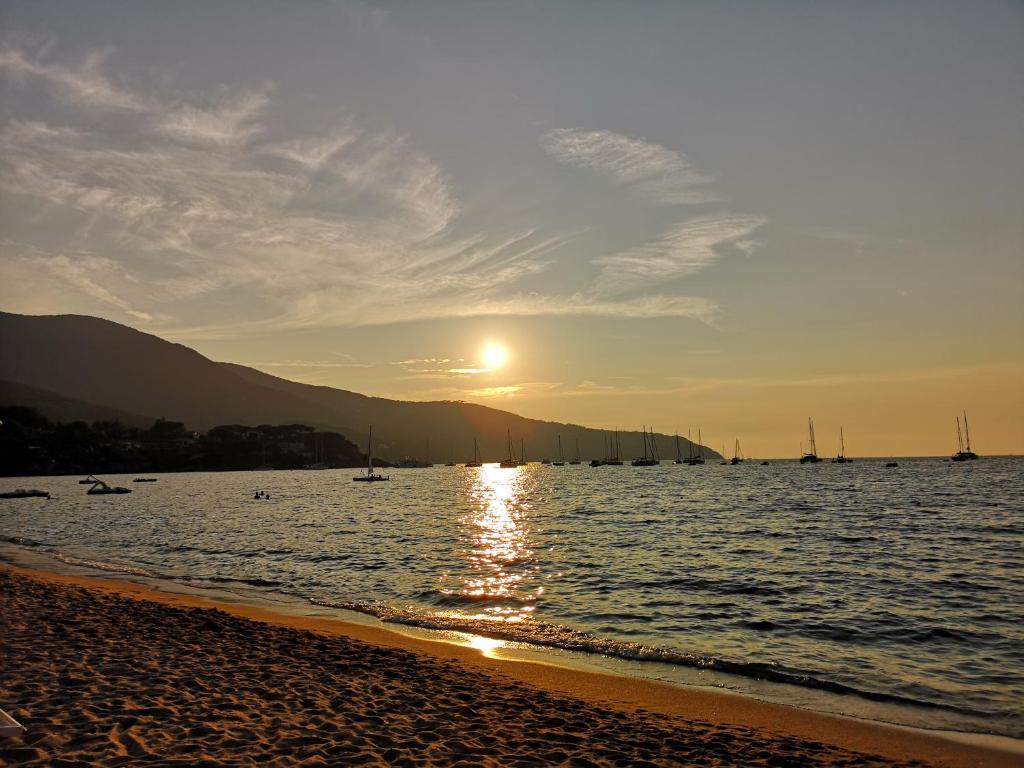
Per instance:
x=106, y=365
x=65, y=409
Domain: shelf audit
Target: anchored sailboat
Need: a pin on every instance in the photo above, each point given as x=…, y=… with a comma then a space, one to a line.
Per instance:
x=841, y=458
x=963, y=454
x=737, y=454
x=561, y=458
x=649, y=459
x=370, y=477
x=696, y=458
x=510, y=461
x=577, y=459
x=476, y=456
x=679, y=455
x=811, y=457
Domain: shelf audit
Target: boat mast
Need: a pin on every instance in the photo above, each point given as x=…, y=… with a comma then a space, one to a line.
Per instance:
x=700, y=443
x=810, y=429
x=476, y=452
x=967, y=432
x=679, y=456
x=959, y=436
x=560, y=448
x=369, y=452
x=654, y=447
x=577, y=449
x=645, y=440
x=522, y=450
x=511, y=457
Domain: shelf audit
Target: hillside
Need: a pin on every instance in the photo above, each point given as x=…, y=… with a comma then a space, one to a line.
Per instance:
x=99, y=366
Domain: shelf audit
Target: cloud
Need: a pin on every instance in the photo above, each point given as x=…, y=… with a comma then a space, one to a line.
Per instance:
x=83, y=83
x=657, y=173
x=687, y=247
x=203, y=216
x=231, y=122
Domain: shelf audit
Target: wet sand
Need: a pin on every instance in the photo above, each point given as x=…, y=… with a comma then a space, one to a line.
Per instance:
x=113, y=673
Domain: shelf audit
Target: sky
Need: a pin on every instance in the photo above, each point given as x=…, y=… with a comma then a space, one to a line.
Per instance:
x=726, y=216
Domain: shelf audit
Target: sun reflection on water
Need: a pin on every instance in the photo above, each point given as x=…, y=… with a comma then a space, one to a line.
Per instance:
x=498, y=549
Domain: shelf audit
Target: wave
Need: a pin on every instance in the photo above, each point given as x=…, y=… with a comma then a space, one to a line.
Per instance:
x=533, y=632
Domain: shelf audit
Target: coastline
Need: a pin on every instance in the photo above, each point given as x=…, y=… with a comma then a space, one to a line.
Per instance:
x=688, y=711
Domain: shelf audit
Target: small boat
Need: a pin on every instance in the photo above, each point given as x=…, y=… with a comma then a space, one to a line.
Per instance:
x=144, y=480
x=841, y=458
x=764, y=463
x=9, y=727
x=963, y=454
x=649, y=458
x=811, y=457
x=615, y=459
x=91, y=479
x=370, y=476
x=695, y=458
x=100, y=488
x=576, y=460
x=22, y=493
x=891, y=464
x=511, y=462
x=737, y=454
x=476, y=456
x=561, y=457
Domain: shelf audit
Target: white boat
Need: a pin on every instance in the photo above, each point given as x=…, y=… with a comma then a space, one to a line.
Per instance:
x=370, y=476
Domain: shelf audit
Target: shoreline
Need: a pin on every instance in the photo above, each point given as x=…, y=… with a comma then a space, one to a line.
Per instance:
x=629, y=695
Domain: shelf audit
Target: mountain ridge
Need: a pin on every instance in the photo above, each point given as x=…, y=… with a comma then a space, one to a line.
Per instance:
x=113, y=367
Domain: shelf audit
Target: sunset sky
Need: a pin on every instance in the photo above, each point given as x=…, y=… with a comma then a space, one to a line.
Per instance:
x=665, y=213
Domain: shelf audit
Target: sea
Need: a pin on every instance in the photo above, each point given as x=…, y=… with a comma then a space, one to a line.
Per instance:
x=894, y=594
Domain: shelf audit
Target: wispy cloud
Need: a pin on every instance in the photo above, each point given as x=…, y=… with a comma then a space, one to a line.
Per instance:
x=651, y=170
x=686, y=248
x=214, y=220
x=231, y=122
x=83, y=83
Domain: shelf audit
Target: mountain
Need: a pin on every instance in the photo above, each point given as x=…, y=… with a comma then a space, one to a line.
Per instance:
x=85, y=367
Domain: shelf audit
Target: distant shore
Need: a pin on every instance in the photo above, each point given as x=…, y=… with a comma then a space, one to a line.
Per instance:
x=99, y=669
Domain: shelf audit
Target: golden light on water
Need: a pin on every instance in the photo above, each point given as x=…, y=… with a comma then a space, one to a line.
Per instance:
x=494, y=356
x=486, y=645
x=499, y=553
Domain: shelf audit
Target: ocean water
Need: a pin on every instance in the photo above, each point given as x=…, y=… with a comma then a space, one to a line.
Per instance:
x=901, y=587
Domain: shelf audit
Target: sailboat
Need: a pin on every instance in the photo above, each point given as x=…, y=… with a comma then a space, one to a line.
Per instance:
x=841, y=458
x=561, y=458
x=509, y=462
x=723, y=462
x=476, y=456
x=522, y=453
x=370, y=477
x=811, y=457
x=451, y=458
x=696, y=458
x=577, y=459
x=962, y=454
x=615, y=459
x=648, y=460
x=679, y=455
x=737, y=454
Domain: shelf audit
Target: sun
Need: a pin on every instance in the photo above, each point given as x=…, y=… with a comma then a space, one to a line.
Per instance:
x=495, y=356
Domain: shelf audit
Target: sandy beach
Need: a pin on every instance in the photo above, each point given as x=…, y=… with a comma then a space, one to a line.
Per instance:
x=113, y=673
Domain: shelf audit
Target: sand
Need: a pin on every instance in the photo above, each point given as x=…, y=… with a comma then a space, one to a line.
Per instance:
x=113, y=673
